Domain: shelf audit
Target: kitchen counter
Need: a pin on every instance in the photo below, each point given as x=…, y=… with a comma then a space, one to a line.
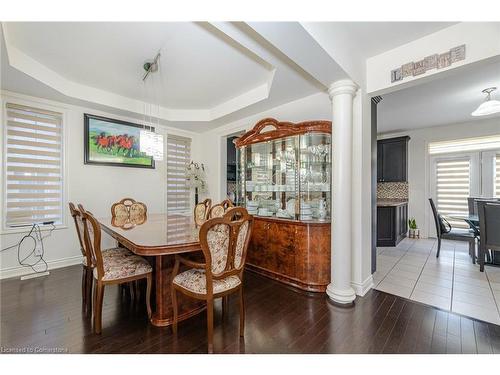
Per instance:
x=391, y=202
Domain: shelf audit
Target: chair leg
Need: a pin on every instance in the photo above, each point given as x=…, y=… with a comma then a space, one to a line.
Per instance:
x=224, y=307
x=84, y=289
x=210, y=325
x=439, y=247
x=242, y=313
x=175, y=307
x=149, y=281
x=89, y=282
x=99, y=294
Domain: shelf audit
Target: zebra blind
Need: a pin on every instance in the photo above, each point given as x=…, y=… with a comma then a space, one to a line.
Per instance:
x=33, y=166
x=465, y=145
x=453, y=188
x=497, y=176
x=178, y=158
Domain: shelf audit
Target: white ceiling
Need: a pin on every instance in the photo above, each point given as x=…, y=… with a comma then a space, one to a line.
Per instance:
x=372, y=38
x=211, y=73
x=197, y=69
x=446, y=100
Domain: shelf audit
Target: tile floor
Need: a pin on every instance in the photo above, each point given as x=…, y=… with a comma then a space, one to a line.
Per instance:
x=450, y=282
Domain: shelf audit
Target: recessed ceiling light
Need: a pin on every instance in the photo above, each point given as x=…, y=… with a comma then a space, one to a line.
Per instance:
x=489, y=106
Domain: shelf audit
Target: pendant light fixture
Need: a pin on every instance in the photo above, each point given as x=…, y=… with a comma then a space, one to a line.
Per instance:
x=489, y=106
x=151, y=143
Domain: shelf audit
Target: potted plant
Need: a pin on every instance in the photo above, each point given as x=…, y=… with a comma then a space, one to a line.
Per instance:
x=414, y=231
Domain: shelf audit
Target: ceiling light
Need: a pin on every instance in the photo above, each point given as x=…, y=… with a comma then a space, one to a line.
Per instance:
x=151, y=143
x=489, y=106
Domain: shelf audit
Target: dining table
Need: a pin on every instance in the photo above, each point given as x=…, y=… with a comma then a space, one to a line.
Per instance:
x=158, y=238
x=471, y=219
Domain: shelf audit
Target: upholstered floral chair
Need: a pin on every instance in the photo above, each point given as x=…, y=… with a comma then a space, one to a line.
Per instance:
x=220, y=209
x=122, y=267
x=87, y=264
x=224, y=242
x=201, y=211
x=128, y=207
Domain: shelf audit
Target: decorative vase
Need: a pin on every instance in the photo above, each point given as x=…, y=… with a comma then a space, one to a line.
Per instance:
x=322, y=210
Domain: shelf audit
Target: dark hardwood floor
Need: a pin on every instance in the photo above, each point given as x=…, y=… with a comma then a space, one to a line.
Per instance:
x=45, y=314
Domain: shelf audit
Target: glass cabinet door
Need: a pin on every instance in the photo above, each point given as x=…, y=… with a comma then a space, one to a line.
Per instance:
x=268, y=181
x=286, y=178
x=315, y=176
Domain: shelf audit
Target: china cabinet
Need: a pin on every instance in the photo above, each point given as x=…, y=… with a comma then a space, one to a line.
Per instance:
x=284, y=180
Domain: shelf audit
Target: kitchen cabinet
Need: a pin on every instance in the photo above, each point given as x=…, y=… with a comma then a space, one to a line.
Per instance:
x=392, y=223
x=392, y=159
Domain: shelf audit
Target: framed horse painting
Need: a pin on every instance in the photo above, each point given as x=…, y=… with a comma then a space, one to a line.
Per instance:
x=114, y=142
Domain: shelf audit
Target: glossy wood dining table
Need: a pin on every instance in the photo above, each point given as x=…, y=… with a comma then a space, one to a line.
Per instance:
x=158, y=237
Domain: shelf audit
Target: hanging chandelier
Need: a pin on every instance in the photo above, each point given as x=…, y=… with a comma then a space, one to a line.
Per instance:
x=151, y=143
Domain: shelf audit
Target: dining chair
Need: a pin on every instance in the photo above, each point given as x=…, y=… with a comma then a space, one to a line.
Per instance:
x=489, y=229
x=88, y=265
x=86, y=261
x=201, y=211
x=218, y=210
x=472, y=203
x=224, y=242
x=444, y=230
x=128, y=207
x=117, y=269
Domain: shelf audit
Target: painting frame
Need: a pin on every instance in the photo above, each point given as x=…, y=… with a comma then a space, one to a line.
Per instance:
x=88, y=160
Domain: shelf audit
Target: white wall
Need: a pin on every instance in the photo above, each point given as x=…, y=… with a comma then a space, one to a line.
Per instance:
x=96, y=187
x=419, y=163
x=481, y=39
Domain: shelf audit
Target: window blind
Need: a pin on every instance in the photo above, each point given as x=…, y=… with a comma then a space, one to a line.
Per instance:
x=453, y=188
x=463, y=145
x=33, y=165
x=497, y=176
x=178, y=158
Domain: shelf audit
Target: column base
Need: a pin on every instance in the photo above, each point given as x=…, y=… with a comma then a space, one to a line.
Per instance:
x=342, y=297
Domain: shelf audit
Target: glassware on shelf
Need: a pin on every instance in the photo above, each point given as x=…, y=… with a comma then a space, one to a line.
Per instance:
x=288, y=176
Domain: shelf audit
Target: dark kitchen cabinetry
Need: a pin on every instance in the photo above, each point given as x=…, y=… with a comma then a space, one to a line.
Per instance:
x=392, y=159
x=392, y=224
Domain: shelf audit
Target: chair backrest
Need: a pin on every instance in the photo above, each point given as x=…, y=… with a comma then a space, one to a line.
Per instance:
x=224, y=241
x=92, y=236
x=489, y=224
x=201, y=211
x=436, y=218
x=218, y=210
x=473, y=201
x=128, y=207
x=77, y=218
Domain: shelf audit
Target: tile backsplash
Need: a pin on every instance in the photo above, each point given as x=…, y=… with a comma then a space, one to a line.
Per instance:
x=392, y=190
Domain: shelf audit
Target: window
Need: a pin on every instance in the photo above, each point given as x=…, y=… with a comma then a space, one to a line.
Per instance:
x=452, y=178
x=464, y=168
x=178, y=158
x=33, y=166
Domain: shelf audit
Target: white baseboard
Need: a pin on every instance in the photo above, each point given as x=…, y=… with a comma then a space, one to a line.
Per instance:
x=362, y=288
x=20, y=270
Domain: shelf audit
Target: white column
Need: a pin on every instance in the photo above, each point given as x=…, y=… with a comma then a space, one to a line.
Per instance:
x=341, y=94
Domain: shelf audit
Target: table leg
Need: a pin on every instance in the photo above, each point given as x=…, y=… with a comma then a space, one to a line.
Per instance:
x=163, y=313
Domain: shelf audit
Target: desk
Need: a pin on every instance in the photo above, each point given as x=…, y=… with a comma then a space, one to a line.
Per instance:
x=158, y=239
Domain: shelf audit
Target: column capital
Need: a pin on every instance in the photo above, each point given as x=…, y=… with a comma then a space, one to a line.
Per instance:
x=344, y=86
